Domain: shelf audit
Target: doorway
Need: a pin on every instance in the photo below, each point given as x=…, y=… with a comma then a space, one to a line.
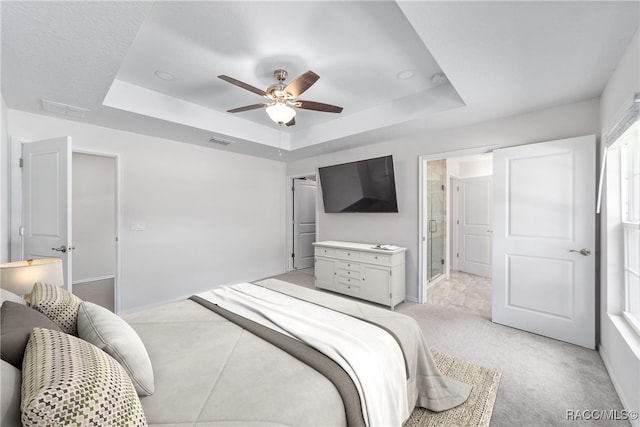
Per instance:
x=301, y=222
x=456, y=199
x=543, y=206
x=33, y=179
x=94, y=228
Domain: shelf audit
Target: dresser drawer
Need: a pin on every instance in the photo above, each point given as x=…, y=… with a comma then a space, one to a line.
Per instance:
x=347, y=254
x=324, y=251
x=348, y=288
x=351, y=266
x=348, y=281
x=381, y=259
x=348, y=273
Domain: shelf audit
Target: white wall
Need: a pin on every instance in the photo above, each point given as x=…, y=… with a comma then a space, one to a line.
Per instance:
x=211, y=217
x=402, y=228
x=619, y=346
x=5, y=205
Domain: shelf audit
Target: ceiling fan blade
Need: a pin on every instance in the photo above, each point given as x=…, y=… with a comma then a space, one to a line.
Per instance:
x=291, y=122
x=243, y=85
x=302, y=83
x=318, y=106
x=247, y=108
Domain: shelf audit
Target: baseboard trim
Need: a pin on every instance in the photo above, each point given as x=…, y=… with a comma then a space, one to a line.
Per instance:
x=607, y=364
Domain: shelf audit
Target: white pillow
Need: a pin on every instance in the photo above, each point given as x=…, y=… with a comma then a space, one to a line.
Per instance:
x=6, y=295
x=117, y=338
x=10, y=394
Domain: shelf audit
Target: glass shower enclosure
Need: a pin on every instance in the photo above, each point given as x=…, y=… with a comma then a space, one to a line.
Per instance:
x=436, y=218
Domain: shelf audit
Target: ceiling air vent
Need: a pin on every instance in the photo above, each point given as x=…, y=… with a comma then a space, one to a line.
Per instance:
x=220, y=141
x=64, y=109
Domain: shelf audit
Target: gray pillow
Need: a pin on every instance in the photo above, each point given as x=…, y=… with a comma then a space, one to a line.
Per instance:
x=17, y=323
x=10, y=395
x=6, y=295
x=117, y=338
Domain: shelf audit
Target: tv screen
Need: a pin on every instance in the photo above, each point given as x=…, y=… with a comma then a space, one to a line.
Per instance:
x=362, y=186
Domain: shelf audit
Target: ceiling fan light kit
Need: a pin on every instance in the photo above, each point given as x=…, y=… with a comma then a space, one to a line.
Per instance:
x=282, y=98
x=280, y=113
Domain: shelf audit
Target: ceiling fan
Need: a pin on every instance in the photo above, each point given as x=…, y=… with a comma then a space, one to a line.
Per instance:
x=282, y=97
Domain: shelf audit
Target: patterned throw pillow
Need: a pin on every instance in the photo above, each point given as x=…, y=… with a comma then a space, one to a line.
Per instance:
x=67, y=381
x=58, y=305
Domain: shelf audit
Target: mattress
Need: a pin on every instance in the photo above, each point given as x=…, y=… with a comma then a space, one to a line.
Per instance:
x=209, y=371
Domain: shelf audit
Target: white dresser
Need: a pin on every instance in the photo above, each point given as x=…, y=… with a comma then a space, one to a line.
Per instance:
x=361, y=270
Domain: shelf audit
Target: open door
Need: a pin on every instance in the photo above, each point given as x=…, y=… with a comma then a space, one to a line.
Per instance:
x=304, y=222
x=544, y=235
x=46, y=201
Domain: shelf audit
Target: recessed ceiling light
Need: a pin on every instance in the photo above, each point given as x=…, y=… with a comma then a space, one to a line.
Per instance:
x=164, y=75
x=405, y=74
x=438, y=79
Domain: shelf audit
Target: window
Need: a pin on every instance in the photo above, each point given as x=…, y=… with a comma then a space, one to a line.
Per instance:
x=624, y=159
x=630, y=209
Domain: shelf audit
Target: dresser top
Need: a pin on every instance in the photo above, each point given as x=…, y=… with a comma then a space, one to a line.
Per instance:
x=365, y=247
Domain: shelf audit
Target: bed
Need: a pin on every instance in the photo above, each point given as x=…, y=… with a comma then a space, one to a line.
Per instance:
x=215, y=365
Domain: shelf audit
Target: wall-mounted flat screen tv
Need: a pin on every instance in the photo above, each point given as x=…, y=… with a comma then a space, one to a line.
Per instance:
x=362, y=186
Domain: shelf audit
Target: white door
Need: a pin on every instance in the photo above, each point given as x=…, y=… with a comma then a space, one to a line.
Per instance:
x=46, y=201
x=475, y=227
x=304, y=222
x=544, y=236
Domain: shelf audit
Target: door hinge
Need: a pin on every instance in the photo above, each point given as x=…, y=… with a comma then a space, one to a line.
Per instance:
x=21, y=231
x=390, y=273
x=457, y=255
x=442, y=187
x=457, y=188
x=21, y=162
x=293, y=255
x=442, y=261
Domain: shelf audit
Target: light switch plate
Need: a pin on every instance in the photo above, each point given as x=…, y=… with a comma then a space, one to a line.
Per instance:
x=138, y=226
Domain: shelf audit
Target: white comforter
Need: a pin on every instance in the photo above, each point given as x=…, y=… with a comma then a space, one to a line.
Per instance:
x=370, y=355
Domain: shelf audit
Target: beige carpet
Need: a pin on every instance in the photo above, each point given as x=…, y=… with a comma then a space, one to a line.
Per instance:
x=476, y=411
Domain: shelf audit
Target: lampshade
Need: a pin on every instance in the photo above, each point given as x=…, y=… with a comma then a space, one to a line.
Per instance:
x=281, y=113
x=19, y=277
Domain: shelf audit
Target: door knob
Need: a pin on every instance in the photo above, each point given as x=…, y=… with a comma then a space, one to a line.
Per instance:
x=583, y=251
x=62, y=249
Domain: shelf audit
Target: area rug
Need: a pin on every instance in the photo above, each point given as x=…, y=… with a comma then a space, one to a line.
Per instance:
x=476, y=411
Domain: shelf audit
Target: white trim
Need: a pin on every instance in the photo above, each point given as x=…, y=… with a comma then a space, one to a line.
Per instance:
x=422, y=249
x=15, y=188
x=608, y=364
x=633, y=321
x=93, y=279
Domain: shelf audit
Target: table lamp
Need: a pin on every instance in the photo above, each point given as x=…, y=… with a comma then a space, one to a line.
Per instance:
x=19, y=277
